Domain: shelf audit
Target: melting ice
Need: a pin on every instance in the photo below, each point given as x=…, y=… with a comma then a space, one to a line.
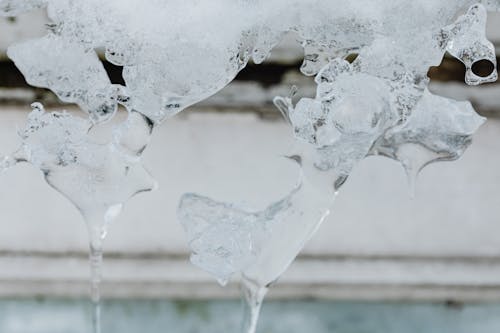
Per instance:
x=176, y=53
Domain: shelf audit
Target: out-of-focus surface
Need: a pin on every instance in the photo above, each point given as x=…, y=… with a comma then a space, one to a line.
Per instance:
x=277, y=317
x=377, y=243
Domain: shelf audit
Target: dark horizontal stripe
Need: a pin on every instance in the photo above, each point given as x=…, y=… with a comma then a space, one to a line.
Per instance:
x=303, y=257
x=267, y=74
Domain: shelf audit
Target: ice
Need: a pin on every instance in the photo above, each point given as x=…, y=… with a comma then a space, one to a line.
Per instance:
x=72, y=71
x=347, y=116
x=95, y=176
x=98, y=178
x=467, y=42
x=378, y=104
x=205, y=220
x=439, y=129
x=168, y=64
x=370, y=60
x=227, y=240
x=154, y=51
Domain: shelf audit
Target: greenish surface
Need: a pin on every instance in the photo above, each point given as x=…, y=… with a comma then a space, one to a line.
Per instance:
x=67, y=316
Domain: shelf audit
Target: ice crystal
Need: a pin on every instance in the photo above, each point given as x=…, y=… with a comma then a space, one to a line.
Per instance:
x=177, y=53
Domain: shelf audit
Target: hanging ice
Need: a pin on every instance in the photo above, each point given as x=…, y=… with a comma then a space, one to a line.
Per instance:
x=379, y=104
x=228, y=240
x=98, y=178
x=439, y=129
x=167, y=65
x=466, y=41
x=176, y=53
x=72, y=71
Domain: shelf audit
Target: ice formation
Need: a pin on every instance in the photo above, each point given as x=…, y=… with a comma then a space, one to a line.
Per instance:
x=378, y=104
x=176, y=53
x=98, y=178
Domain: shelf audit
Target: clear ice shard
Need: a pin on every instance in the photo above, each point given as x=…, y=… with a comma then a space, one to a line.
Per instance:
x=466, y=41
x=98, y=178
x=370, y=60
x=378, y=104
x=259, y=246
x=228, y=240
x=167, y=66
x=71, y=70
x=439, y=129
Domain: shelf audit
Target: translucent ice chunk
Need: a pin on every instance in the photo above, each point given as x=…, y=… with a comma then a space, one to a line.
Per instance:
x=466, y=40
x=98, y=178
x=95, y=177
x=71, y=70
x=168, y=65
x=439, y=129
x=176, y=53
x=227, y=240
x=350, y=111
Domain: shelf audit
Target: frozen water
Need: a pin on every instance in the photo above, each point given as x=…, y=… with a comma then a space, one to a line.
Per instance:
x=259, y=246
x=95, y=176
x=73, y=72
x=205, y=220
x=173, y=54
x=154, y=51
x=378, y=104
x=439, y=129
x=176, y=53
x=98, y=178
x=466, y=41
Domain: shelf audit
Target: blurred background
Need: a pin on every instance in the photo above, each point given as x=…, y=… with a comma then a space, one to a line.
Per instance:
x=382, y=262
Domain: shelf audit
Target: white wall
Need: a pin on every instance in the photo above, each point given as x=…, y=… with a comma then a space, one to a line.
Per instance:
x=377, y=244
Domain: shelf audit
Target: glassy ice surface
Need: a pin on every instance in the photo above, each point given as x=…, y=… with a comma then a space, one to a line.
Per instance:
x=439, y=129
x=378, y=104
x=176, y=53
x=169, y=64
x=98, y=178
x=72, y=71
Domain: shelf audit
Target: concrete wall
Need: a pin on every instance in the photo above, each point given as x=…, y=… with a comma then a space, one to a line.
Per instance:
x=277, y=317
x=378, y=243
